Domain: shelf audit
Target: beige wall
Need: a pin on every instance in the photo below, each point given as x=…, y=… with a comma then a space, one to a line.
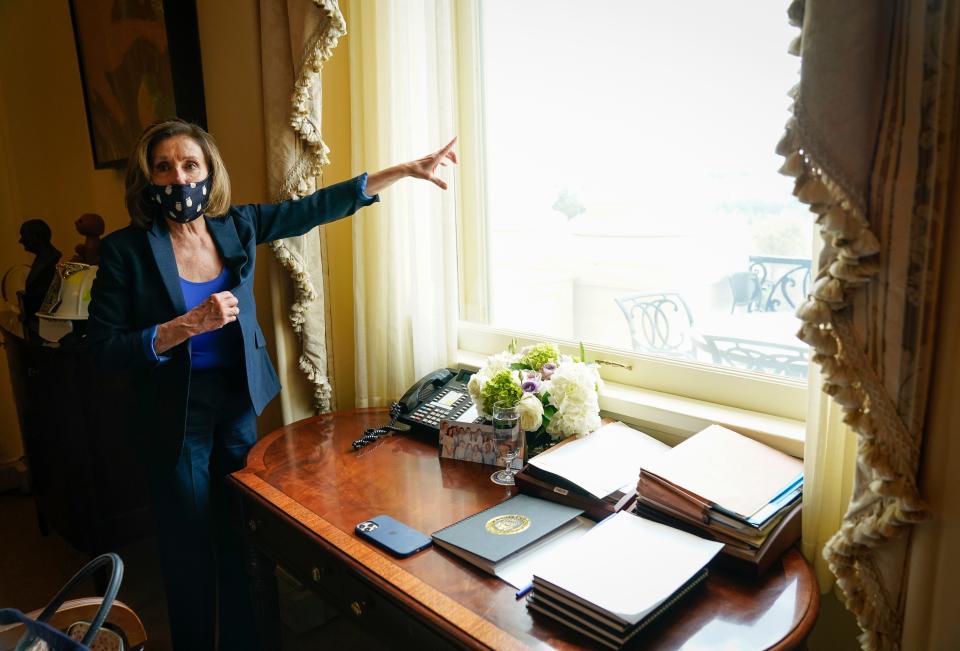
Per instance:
x=336, y=133
x=45, y=156
x=10, y=253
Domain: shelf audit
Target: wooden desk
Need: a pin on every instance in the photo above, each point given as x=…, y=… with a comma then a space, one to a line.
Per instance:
x=304, y=489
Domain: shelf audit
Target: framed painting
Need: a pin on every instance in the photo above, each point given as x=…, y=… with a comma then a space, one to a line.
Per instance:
x=139, y=64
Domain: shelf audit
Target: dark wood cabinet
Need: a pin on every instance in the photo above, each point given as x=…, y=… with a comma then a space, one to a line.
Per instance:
x=85, y=477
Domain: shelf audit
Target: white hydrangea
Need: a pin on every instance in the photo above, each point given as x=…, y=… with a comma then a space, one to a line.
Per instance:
x=573, y=390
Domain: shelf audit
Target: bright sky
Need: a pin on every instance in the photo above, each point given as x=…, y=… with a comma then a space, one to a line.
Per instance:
x=635, y=102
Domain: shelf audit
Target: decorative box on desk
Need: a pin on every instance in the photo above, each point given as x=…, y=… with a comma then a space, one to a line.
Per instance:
x=84, y=477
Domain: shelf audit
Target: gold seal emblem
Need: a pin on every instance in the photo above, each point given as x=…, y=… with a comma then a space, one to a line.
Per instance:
x=507, y=525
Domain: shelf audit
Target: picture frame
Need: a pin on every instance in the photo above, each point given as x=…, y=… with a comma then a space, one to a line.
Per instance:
x=139, y=63
x=470, y=442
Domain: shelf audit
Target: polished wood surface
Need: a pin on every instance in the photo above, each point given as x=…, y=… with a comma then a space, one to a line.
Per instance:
x=307, y=476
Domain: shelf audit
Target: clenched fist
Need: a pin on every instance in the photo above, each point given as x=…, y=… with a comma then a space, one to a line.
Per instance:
x=215, y=312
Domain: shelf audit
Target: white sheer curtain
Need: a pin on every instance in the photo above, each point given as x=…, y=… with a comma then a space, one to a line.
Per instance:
x=829, y=465
x=404, y=248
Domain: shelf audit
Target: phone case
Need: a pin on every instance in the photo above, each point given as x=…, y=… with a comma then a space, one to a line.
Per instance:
x=392, y=535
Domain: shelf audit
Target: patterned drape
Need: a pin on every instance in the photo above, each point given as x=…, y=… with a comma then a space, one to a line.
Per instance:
x=297, y=36
x=872, y=142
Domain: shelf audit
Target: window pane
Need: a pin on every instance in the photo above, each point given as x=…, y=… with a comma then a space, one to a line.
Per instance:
x=633, y=198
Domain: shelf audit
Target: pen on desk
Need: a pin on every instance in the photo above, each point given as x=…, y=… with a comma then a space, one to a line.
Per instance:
x=524, y=590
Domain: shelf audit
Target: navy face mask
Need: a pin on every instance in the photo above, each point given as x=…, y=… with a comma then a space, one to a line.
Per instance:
x=181, y=202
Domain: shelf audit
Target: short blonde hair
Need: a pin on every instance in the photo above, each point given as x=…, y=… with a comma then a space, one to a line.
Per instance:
x=140, y=163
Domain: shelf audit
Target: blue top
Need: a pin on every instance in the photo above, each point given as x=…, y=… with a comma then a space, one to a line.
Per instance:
x=215, y=348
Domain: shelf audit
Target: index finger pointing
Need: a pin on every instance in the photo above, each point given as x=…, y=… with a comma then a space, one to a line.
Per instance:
x=448, y=147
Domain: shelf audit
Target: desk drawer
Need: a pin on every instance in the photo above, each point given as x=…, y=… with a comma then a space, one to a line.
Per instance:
x=307, y=560
x=376, y=612
x=292, y=548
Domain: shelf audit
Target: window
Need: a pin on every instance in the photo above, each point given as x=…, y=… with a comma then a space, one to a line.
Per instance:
x=629, y=197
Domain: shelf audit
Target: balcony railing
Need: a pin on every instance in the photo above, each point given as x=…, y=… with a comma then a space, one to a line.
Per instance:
x=783, y=283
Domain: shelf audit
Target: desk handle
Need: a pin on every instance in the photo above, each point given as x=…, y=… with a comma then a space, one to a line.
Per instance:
x=357, y=607
x=253, y=523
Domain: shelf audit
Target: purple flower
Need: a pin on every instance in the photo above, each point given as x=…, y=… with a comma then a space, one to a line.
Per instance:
x=530, y=386
x=529, y=374
x=548, y=369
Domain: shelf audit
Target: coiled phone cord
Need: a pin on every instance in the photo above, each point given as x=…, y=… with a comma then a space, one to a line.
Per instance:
x=372, y=434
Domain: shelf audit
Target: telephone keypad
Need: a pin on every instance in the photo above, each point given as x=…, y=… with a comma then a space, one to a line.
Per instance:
x=442, y=406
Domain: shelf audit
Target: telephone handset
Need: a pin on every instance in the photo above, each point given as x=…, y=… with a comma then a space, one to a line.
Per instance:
x=439, y=395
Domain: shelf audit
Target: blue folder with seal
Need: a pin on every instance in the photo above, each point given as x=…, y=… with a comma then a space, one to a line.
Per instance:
x=495, y=535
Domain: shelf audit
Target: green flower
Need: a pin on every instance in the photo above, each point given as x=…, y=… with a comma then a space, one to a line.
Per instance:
x=539, y=355
x=501, y=387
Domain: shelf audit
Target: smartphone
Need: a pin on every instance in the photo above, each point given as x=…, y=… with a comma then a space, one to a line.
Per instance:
x=392, y=535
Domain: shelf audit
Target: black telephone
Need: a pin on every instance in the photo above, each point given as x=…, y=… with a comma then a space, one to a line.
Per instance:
x=440, y=395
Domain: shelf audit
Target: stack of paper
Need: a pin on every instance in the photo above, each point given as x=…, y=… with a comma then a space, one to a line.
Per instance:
x=730, y=487
x=597, y=473
x=619, y=576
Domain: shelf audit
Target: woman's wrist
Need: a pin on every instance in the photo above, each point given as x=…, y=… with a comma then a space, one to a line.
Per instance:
x=386, y=177
x=174, y=332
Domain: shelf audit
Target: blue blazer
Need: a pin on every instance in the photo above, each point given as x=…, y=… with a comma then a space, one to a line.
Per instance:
x=138, y=287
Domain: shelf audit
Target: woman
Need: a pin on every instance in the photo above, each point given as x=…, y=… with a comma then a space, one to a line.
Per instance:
x=172, y=306
x=489, y=454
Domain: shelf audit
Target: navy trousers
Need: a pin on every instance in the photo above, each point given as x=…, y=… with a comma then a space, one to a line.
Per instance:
x=201, y=544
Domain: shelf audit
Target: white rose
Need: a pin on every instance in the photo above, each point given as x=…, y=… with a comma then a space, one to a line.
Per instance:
x=531, y=413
